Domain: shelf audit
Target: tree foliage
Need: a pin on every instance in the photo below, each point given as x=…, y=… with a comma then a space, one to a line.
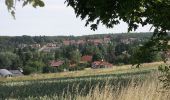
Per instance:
x=75, y=56
x=133, y=12
x=12, y=3
x=9, y=60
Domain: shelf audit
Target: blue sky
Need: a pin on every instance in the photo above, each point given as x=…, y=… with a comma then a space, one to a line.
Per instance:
x=52, y=20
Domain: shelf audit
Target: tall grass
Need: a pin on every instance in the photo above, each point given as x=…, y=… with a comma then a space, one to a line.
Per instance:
x=101, y=84
x=150, y=89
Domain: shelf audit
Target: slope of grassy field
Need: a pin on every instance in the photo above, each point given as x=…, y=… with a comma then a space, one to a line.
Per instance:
x=89, y=84
x=88, y=72
x=78, y=85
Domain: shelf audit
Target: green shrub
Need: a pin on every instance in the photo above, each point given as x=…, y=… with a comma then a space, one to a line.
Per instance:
x=49, y=69
x=28, y=70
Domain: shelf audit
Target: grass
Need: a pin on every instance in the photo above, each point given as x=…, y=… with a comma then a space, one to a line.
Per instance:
x=117, y=83
x=138, y=87
x=148, y=90
x=51, y=87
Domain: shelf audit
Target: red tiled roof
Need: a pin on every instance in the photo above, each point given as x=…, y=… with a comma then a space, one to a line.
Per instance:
x=56, y=63
x=72, y=41
x=80, y=42
x=87, y=58
x=97, y=40
x=66, y=42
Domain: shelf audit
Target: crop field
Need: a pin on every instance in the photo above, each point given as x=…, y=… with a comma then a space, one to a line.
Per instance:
x=83, y=85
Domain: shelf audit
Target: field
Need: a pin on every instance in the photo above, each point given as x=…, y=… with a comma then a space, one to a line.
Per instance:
x=119, y=83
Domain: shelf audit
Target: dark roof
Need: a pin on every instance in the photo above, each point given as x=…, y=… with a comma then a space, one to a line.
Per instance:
x=56, y=63
x=4, y=73
x=16, y=72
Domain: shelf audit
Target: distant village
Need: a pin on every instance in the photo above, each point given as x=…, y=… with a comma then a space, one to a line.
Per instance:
x=118, y=52
x=55, y=45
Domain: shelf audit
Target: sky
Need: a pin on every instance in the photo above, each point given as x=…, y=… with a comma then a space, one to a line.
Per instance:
x=52, y=20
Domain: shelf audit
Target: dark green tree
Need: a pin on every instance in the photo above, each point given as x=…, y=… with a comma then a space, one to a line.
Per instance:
x=75, y=56
x=121, y=47
x=97, y=56
x=9, y=60
x=58, y=54
x=110, y=57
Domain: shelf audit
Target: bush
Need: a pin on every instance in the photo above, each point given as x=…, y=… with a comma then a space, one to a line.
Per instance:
x=85, y=65
x=28, y=70
x=48, y=69
x=80, y=66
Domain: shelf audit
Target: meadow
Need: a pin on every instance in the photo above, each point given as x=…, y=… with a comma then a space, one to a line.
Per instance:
x=117, y=83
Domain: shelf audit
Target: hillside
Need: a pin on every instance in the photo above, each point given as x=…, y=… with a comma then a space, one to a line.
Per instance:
x=83, y=84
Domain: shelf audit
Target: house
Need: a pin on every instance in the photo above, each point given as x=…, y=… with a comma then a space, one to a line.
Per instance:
x=80, y=42
x=45, y=49
x=5, y=73
x=51, y=45
x=72, y=42
x=106, y=40
x=35, y=46
x=16, y=72
x=56, y=63
x=22, y=45
x=97, y=41
x=86, y=58
x=125, y=41
x=101, y=64
x=66, y=42
x=133, y=39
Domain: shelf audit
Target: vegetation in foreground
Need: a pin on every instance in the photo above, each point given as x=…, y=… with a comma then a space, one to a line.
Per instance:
x=147, y=90
x=127, y=84
x=140, y=86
